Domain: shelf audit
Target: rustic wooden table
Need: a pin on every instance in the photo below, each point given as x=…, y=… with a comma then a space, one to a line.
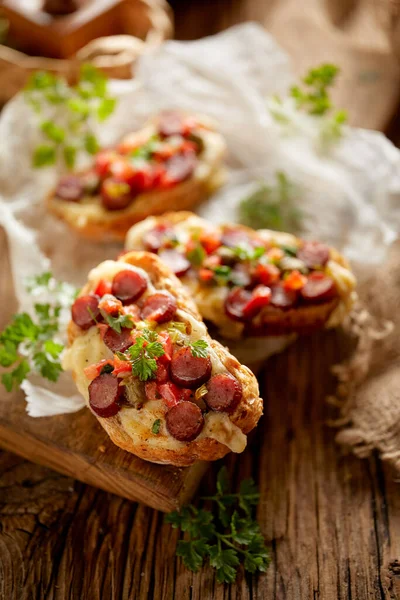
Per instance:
x=332, y=521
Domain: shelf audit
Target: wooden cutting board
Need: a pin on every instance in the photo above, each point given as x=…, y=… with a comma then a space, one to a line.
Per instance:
x=76, y=444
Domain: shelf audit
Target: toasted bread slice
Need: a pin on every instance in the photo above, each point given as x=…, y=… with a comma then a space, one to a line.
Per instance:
x=90, y=218
x=132, y=427
x=276, y=259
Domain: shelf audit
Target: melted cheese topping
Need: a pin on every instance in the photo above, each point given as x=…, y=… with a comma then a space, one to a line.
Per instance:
x=88, y=348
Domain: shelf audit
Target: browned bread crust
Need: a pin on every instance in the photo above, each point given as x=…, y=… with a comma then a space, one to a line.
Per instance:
x=271, y=321
x=245, y=416
x=96, y=223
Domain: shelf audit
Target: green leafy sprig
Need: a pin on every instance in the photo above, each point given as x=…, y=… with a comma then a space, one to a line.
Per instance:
x=27, y=344
x=272, y=206
x=199, y=349
x=73, y=110
x=143, y=354
x=312, y=96
x=227, y=539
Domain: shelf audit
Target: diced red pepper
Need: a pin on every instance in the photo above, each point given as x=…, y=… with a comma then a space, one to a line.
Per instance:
x=162, y=374
x=151, y=390
x=103, y=162
x=102, y=327
x=93, y=371
x=206, y=274
x=260, y=297
x=121, y=366
x=110, y=305
x=275, y=254
x=210, y=241
x=166, y=342
x=103, y=287
x=294, y=281
x=266, y=274
x=170, y=393
x=212, y=261
x=122, y=170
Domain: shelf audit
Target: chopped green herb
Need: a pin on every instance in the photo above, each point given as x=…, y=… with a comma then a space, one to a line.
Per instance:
x=222, y=273
x=197, y=255
x=107, y=369
x=199, y=349
x=117, y=323
x=156, y=426
x=143, y=354
x=27, y=344
x=290, y=250
x=225, y=536
x=247, y=253
x=313, y=97
x=272, y=207
x=71, y=131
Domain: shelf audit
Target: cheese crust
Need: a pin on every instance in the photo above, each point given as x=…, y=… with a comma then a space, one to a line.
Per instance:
x=271, y=321
x=91, y=220
x=127, y=429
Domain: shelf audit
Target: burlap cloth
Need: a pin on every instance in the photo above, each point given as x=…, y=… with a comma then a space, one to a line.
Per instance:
x=369, y=382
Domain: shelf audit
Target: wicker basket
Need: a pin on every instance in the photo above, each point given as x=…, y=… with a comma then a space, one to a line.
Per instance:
x=150, y=23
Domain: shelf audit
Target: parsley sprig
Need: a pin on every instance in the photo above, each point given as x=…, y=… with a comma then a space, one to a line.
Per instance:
x=227, y=539
x=67, y=128
x=272, y=206
x=143, y=354
x=313, y=97
x=118, y=322
x=199, y=349
x=27, y=344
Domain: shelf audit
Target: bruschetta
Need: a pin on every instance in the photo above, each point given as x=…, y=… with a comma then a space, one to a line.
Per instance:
x=173, y=163
x=143, y=360
x=250, y=283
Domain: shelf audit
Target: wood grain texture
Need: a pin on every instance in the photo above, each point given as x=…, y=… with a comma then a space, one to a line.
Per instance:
x=332, y=521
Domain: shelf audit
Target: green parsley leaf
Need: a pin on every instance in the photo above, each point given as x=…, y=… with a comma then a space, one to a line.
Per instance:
x=82, y=103
x=91, y=144
x=156, y=426
x=192, y=553
x=199, y=349
x=53, y=132
x=225, y=562
x=117, y=323
x=43, y=156
x=143, y=356
x=69, y=153
x=41, y=353
x=106, y=108
x=222, y=541
x=272, y=206
x=197, y=255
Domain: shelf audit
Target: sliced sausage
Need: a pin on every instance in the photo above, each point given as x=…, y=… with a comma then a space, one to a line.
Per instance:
x=235, y=303
x=104, y=395
x=189, y=371
x=260, y=297
x=319, y=288
x=176, y=261
x=224, y=393
x=159, y=307
x=281, y=298
x=154, y=239
x=118, y=342
x=180, y=167
x=85, y=311
x=170, y=123
x=314, y=254
x=184, y=421
x=128, y=286
x=115, y=194
x=70, y=188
